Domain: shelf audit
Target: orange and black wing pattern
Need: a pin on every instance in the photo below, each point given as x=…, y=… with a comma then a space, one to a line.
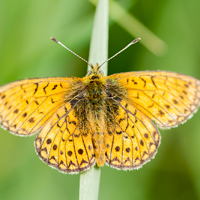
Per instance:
x=63, y=144
x=165, y=97
x=26, y=105
x=34, y=105
x=132, y=140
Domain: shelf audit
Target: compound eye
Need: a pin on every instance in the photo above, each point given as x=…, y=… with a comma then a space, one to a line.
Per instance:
x=101, y=72
x=89, y=73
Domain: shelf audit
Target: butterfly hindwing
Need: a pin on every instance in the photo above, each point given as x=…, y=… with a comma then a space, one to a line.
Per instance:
x=165, y=97
x=132, y=140
x=63, y=145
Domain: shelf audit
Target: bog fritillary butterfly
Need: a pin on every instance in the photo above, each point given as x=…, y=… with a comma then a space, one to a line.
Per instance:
x=98, y=119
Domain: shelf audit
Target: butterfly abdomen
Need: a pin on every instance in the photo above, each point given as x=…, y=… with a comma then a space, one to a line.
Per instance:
x=98, y=139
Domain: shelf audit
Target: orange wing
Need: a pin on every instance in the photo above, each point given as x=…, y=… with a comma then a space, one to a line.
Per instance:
x=165, y=97
x=63, y=145
x=132, y=140
x=25, y=106
x=41, y=105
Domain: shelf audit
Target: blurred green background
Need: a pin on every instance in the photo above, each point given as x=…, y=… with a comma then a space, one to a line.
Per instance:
x=26, y=51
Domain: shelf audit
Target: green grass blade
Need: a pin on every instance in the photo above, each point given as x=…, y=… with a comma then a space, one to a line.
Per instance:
x=89, y=180
x=99, y=40
x=135, y=28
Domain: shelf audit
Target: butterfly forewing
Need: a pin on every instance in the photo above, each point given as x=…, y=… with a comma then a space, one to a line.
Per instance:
x=165, y=97
x=26, y=105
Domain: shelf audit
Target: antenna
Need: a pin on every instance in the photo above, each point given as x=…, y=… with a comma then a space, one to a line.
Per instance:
x=133, y=42
x=54, y=39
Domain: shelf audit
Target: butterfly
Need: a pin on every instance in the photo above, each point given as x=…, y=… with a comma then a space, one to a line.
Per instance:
x=98, y=119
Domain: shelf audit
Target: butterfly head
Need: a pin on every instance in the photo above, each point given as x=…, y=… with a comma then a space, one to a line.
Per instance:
x=95, y=71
